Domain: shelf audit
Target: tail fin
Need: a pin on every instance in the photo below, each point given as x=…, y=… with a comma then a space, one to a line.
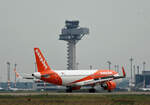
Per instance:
x=17, y=74
x=42, y=65
x=123, y=71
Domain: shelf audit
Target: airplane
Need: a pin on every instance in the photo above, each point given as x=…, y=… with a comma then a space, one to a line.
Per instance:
x=1, y=89
x=74, y=79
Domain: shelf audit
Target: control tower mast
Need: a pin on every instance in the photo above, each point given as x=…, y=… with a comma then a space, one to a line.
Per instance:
x=72, y=33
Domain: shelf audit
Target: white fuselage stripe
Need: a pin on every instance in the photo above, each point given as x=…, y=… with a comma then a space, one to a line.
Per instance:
x=73, y=75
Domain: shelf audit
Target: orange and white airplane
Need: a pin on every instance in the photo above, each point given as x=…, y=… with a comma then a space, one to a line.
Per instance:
x=75, y=79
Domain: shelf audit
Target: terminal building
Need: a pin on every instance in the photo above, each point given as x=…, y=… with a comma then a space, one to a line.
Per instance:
x=142, y=80
x=41, y=85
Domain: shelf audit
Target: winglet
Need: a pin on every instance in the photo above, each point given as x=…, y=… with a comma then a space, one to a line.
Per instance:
x=123, y=71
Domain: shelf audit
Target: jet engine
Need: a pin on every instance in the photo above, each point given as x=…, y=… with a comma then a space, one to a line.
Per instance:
x=110, y=85
x=37, y=75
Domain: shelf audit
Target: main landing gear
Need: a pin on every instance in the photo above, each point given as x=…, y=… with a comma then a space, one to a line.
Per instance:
x=69, y=89
x=92, y=90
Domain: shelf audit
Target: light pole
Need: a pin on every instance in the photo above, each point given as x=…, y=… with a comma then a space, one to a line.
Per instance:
x=15, y=74
x=144, y=85
x=115, y=68
x=131, y=60
x=144, y=65
x=109, y=64
x=90, y=67
x=77, y=65
x=138, y=70
x=134, y=72
x=8, y=74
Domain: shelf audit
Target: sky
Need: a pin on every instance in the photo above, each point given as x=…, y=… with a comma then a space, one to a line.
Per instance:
x=119, y=29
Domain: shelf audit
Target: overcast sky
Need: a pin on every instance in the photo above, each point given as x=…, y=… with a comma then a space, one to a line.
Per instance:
x=119, y=29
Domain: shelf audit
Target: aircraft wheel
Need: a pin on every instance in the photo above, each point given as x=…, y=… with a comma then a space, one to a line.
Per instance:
x=92, y=90
x=109, y=90
x=69, y=90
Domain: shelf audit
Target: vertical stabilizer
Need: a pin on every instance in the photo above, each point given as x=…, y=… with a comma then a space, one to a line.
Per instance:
x=42, y=64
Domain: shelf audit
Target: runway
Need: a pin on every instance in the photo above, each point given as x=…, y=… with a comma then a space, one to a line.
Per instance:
x=74, y=93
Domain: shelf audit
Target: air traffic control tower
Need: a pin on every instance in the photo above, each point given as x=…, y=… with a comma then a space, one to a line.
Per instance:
x=72, y=33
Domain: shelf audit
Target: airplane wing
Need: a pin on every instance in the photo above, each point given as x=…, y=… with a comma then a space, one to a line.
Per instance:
x=101, y=80
x=116, y=77
x=109, y=78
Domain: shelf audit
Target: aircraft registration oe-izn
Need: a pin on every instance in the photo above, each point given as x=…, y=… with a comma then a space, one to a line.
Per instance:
x=74, y=79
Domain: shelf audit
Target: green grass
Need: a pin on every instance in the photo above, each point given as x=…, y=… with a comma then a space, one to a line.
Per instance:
x=76, y=99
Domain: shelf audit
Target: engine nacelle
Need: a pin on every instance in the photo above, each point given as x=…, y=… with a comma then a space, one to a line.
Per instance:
x=110, y=85
x=37, y=75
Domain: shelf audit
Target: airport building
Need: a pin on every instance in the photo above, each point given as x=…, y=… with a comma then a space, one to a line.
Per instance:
x=142, y=80
x=19, y=85
x=36, y=86
x=41, y=86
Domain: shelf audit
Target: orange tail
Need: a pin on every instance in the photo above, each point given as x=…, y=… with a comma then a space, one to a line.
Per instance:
x=17, y=75
x=42, y=65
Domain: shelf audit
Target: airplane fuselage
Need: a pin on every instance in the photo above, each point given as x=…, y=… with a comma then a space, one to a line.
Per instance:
x=77, y=77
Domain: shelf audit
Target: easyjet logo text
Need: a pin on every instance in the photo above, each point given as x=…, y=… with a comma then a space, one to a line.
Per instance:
x=41, y=59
